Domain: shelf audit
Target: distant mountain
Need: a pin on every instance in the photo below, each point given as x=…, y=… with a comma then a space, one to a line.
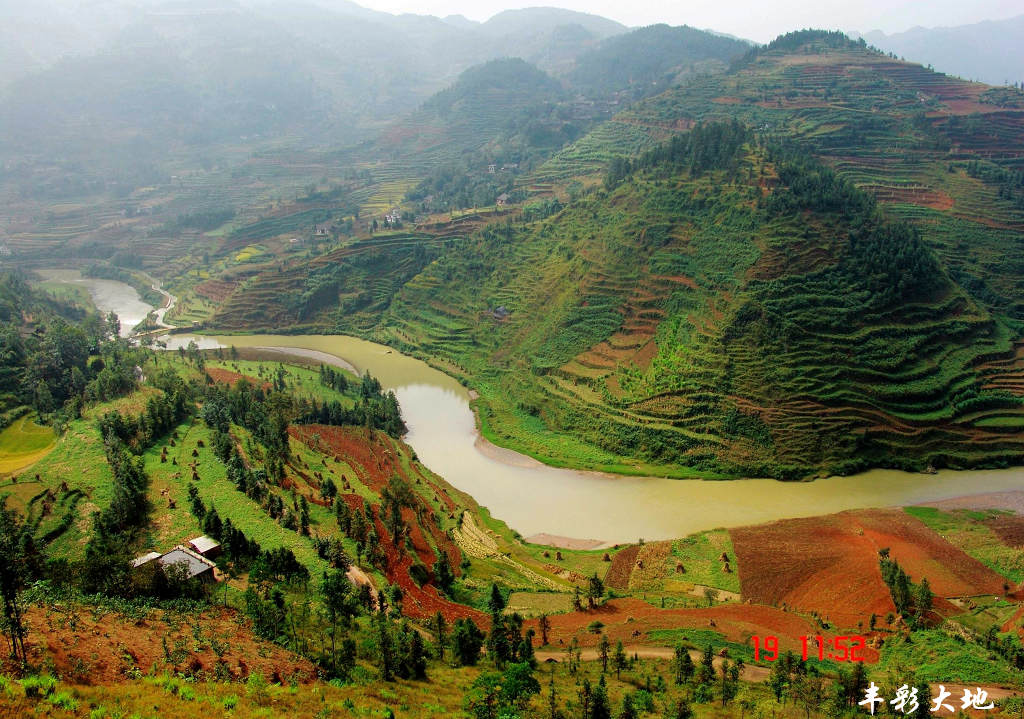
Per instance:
x=114, y=87
x=650, y=59
x=991, y=51
x=487, y=102
x=530, y=20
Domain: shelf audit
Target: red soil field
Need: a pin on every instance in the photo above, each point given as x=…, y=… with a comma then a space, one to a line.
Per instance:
x=923, y=553
x=1009, y=529
x=621, y=567
x=420, y=602
x=374, y=463
x=631, y=621
x=215, y=290
x=829, y=565
x=98, y=648
x=818, y=564
x=224, y=376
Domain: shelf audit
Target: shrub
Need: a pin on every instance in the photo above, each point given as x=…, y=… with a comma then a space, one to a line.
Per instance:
x=64, y=700
x=37, y=687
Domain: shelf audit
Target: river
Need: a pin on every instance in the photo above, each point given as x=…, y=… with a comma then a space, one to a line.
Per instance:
x=107, y=295
x=534, y=498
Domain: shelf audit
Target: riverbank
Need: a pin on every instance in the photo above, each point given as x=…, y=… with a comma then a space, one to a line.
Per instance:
x=537, y=499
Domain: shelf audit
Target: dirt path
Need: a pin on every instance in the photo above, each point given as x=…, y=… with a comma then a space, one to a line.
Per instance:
x=169, y=301
x=750, y=674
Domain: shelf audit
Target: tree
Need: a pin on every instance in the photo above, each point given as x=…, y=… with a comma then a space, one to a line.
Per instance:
x=339, y=606
x=628, y=711
x=496, y=603
x=682, y=710
x=385, y=646
x=706, y=670
x=603, y=651
x=619, y=659
x=595, y=590
x=778, y=679
x=440, y=628
x=682, y=665
x=923, y=597
x=12, y=579
x=518, y=685
x=730, y=681
x=544, y=624
x=467, y=640
x=553, y=711
x=483, y=697
x=443, y=573
x=600, y=708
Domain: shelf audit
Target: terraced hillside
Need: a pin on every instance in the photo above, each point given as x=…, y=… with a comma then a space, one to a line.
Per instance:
x=812, y=264
x=941, y=152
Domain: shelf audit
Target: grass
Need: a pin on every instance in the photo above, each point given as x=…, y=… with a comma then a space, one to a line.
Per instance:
x=23, y=443
x=935, y=656
x=966, y=530
x=699, y=555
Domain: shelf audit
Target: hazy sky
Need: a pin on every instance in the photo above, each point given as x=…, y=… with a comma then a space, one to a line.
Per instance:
x=759, y=20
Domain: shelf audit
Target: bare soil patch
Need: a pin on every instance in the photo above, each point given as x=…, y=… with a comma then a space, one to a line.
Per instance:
x=101, y=647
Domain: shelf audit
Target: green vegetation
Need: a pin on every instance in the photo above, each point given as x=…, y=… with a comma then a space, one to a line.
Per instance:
x=936, y=656
x=972, y=532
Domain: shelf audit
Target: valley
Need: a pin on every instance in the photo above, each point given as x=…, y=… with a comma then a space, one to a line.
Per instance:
x=357, y=364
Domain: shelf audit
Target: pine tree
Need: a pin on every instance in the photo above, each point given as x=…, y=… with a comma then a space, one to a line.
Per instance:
x=619, y=660
x=603, y=651
x=682, y=665
x=496, y=603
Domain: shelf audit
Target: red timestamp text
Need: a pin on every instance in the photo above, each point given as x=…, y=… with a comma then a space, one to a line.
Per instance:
x=844, y=648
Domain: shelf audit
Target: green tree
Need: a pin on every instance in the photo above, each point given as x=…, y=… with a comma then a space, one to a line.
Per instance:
x=604, y=652
x=619, y=659
x=483, y=699
x=600, y=706
x=682, y=665
x=443, y=574
x=339, y=606
x=681, y=710
x=466, y=640
x=544, y=625
x=518, y=685
x=595, y=590
x=496, y=603
x=13, y=574
x=628, y=711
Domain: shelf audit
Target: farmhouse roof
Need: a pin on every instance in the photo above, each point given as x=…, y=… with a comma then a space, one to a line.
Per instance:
x=145, y=559
x=195, y=563
x=203, y=544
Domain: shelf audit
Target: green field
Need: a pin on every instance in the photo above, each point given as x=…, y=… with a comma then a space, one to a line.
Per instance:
x=23, y=443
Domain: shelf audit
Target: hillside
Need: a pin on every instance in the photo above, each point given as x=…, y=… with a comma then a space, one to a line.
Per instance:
x=650, y=60
x=742, y=318
x=488, y=103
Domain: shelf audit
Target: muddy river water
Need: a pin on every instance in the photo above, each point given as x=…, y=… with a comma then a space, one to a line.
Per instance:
x=107, y=295
x=534, y=498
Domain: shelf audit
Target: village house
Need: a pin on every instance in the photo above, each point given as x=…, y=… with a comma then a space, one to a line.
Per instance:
x=502, y=199
x=321, y=230
x=195, y=565
x=206, y=546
